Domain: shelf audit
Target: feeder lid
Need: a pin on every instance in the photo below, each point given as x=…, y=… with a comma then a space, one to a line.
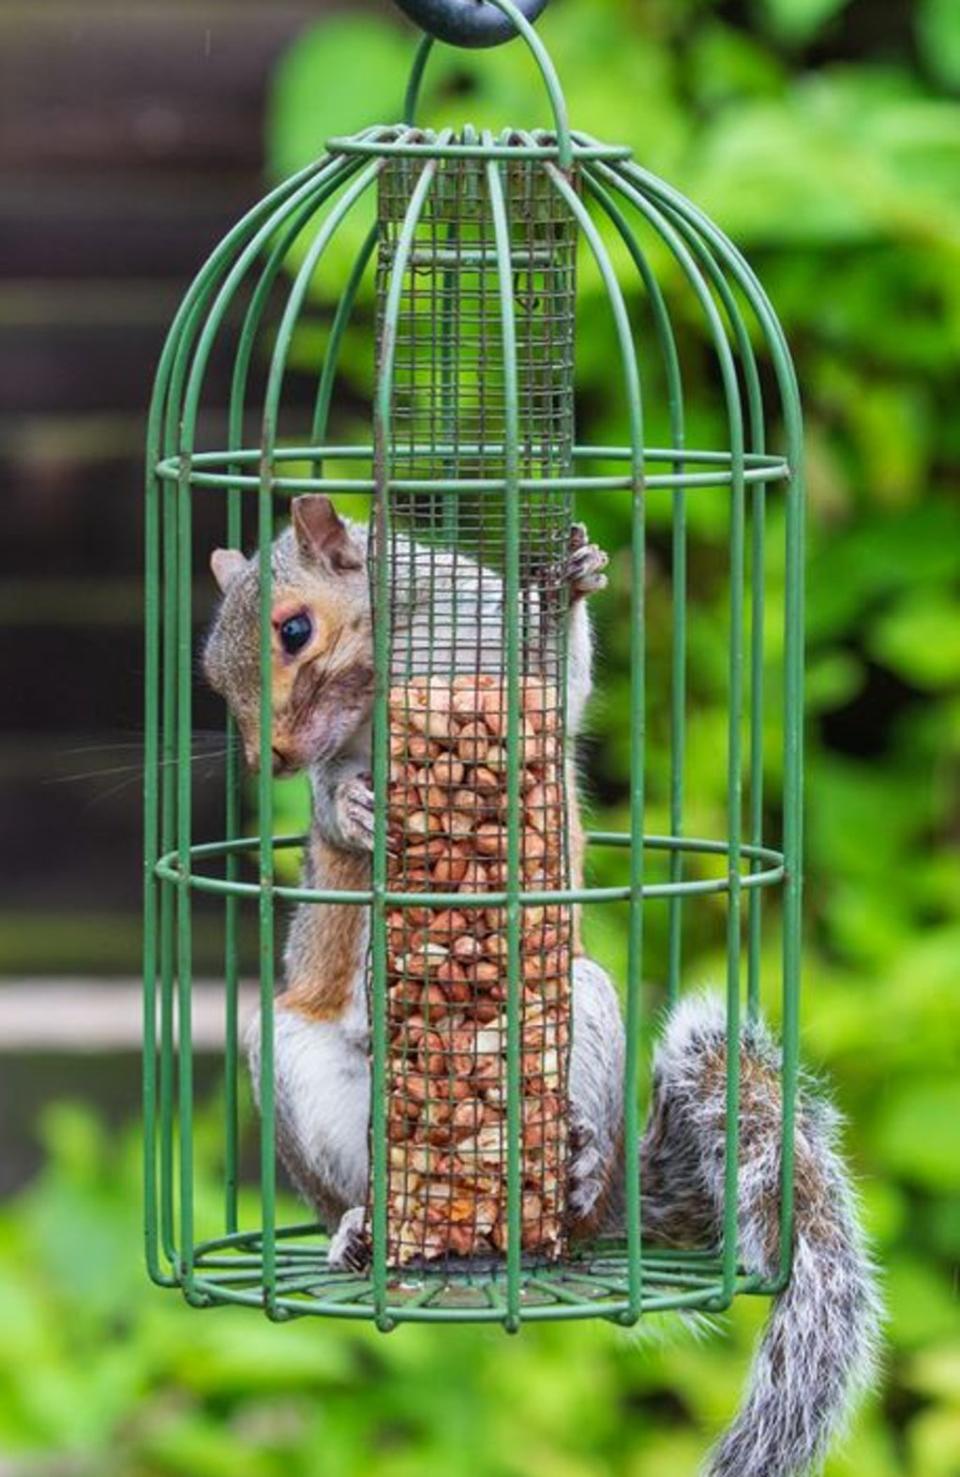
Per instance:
x=472, y=23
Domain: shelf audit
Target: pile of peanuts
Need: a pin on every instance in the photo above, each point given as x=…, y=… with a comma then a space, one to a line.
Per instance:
x=447, y=973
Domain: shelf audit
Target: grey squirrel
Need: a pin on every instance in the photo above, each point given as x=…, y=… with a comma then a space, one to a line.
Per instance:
x=818, y=1350
x=322, y=688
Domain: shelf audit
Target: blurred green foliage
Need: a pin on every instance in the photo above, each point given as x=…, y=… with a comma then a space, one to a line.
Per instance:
x=824, y=137
x=102, y=1377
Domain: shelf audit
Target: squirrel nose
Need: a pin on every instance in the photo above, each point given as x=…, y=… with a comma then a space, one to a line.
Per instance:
x=279, y=760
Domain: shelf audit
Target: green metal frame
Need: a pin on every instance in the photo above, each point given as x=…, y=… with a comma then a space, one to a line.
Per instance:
x=251, y=295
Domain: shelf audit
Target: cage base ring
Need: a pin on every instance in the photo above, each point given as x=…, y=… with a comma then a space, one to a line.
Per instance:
x=590, y=1283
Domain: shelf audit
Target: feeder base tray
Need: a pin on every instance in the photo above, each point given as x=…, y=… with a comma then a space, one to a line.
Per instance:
x=594, y=1282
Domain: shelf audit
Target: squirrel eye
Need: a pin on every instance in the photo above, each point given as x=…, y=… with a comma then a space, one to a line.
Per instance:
x=295, y=632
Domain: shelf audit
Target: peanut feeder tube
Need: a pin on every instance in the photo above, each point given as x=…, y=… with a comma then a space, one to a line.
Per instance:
x=472, y=592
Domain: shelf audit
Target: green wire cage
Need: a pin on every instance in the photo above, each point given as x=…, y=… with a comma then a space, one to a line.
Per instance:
x=473, y=244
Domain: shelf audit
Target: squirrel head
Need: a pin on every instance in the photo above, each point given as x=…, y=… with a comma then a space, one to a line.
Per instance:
x=320, y=638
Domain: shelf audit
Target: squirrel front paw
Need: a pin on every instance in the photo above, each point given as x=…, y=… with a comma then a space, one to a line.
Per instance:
x=354, y=810
x=585, y=564
x=350, y=1244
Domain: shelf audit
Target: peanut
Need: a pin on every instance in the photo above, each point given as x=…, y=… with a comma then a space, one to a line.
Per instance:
x=446, y=771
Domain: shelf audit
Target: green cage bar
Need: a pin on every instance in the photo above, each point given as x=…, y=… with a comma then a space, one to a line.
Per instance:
x=468, y=246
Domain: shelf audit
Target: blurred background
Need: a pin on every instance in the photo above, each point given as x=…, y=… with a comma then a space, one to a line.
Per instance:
x=824, y=136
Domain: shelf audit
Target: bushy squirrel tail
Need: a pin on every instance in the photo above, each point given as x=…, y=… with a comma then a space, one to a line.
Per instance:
x=818, y=1351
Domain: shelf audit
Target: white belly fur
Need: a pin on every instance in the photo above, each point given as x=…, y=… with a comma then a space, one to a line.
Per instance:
x=322, y=1081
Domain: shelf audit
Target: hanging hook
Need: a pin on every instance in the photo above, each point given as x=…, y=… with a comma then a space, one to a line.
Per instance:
x=469, y=22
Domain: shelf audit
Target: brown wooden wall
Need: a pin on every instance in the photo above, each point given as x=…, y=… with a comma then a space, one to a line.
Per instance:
x=131, y=137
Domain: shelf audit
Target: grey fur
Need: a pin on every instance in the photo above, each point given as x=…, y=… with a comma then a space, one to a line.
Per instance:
x=818, y=1353
x=595, y=1089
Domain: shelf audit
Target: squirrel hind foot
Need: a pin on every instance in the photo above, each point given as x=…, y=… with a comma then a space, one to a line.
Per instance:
x=350, y=1243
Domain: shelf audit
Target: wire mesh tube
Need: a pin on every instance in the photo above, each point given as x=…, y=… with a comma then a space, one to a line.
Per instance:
x=475, y=999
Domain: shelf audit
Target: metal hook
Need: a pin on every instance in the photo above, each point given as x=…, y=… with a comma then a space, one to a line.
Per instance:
x=472, y=23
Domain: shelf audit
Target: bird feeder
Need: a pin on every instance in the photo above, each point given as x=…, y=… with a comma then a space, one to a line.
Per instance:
x=472, y=460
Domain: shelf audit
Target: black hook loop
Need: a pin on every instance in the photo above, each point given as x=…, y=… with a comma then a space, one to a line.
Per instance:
x=468, y=22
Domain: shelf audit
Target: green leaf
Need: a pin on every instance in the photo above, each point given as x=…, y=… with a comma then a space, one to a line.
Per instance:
x=938, y=32
x=919, y=1299
x=945, y=1228
x=877, y=557
x=920, y=640
x=343, y=75
x=917, y=1134
x=936, y=1372
x=934, y=1442
x=833, y=680
x=726, y=63
x=799, y=20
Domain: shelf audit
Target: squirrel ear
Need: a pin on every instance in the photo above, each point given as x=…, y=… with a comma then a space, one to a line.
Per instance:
x=322, y=536
x=226, y=565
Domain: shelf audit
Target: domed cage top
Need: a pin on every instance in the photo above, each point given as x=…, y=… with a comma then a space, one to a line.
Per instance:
x=474, y=470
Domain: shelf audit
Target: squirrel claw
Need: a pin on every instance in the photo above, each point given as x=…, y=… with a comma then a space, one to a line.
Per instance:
x=350, y=1245
x=355, y=812
x=585, y=564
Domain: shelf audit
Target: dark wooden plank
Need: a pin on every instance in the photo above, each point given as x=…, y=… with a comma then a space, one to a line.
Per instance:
x=165, y=86
x=89, y=676
x=89, y=369
x=70, y=819
x=76, y=523
x=69, y=518
x=131, y=225
x=102, y=367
